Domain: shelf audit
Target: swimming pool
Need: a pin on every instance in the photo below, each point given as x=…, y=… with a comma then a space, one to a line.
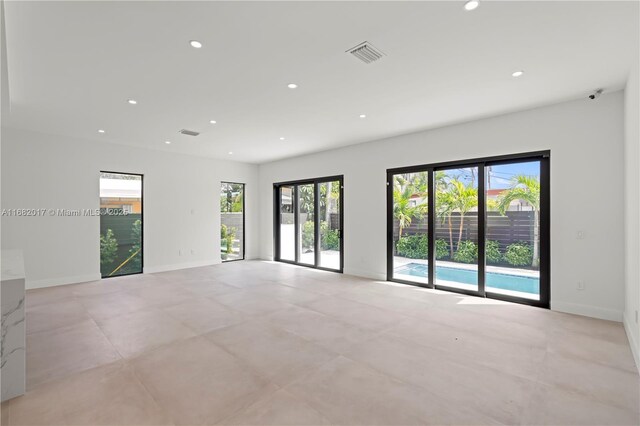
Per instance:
x=495, y=280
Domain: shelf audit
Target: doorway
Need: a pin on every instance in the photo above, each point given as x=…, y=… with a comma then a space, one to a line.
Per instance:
x=308, y=225
x=478, y=227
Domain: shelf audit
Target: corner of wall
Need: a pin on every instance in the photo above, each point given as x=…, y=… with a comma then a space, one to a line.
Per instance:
x=587, y=310
x=633, y=341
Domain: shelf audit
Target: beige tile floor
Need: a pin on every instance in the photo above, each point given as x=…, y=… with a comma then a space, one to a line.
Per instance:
x=264, y=343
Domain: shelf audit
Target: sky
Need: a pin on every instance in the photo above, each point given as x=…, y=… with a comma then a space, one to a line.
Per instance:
x=501, y=175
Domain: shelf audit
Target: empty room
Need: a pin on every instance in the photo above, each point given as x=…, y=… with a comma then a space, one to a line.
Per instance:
x=320, y=212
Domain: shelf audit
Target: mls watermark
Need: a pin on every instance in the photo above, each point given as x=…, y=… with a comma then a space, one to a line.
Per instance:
x=64, y=212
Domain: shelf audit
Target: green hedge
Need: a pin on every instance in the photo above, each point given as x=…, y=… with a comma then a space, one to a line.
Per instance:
x=493, y=254
x=467, y=252
x=329, y=238
x=519, y=254
x=417, y=246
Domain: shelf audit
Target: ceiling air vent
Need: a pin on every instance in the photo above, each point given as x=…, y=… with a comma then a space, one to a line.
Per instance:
x=366, y=52
x=189, y=132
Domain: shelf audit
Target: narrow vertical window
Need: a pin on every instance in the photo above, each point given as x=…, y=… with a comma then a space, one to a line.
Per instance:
x=231, y=221
x=121, y=227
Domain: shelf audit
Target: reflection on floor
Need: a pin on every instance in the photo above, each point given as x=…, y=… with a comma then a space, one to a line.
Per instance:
x=263, y=343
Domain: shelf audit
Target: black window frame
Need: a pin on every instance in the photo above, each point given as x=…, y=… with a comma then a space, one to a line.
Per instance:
x=141, y=226
x=544, y=157
x=244, y=228
x=276, y=220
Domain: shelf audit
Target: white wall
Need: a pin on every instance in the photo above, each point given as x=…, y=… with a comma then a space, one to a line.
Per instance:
x=586, y=142
x=181, y=204
x=632, y=209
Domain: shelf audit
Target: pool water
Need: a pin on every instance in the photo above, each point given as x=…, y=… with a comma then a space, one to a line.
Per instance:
x=494, y=280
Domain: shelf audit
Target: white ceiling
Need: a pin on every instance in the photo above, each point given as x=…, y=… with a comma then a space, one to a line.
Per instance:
x=73, y=65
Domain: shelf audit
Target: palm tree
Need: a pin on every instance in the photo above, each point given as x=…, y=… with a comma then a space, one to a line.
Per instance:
x=402, y=208
x=460, y=198
x=465, y=198
x=525, y=188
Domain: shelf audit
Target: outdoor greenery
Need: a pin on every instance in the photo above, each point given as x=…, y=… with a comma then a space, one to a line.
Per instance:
x=329, y=238
x=519, y=254
x=136, y=235
x=308, y=235
x=442, y=249
x=416, y=247
x=467, y=252
x=403, y=191
x=493, y=252
x=227, y=235
x=108, y=248
x=115, y=259
x=526, y=188
x=231, y=198
x=413, y=246
x=455, y=197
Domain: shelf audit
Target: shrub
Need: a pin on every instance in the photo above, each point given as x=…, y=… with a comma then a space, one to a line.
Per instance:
x=417, y=247
x=467, y=252
x=108, y=248
x=308, y=235
x=413, y=246
x=330, y=238
x=493, y=252
x=136, y=236
x=442, y=249
x=519, y=254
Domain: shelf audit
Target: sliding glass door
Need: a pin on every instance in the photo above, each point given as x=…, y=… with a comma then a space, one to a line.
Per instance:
x=308, y=223
x=483, y=224
x=120, y=224
x=514, y=203
x=231, y=221
x=286, y=223
x=411, y=226
x=456, y=229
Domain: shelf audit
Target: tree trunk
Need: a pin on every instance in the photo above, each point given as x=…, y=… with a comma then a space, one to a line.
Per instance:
x=461, y=228
x=536, y=239
x=327, y=206
x=450, y=236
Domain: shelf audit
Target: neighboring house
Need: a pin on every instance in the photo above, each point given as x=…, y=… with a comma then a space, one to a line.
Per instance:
x=121, y=194
x=516, y=205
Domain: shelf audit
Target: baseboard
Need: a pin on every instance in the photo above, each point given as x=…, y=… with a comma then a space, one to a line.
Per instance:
x=177, y=266
x=365, y=274
x=587, y=310
x=52, y=282
x=633, y=342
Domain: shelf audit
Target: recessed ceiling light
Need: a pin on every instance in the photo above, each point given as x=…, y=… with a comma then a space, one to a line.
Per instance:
x=363, y=116
x=212, y=121
x=100, y=131
x=230, y=152
x=167, y=142
x=281, y=139
x=132, y=101
x=292, y=85
x=517, y=73
x=471, y=4
x=196, y=44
